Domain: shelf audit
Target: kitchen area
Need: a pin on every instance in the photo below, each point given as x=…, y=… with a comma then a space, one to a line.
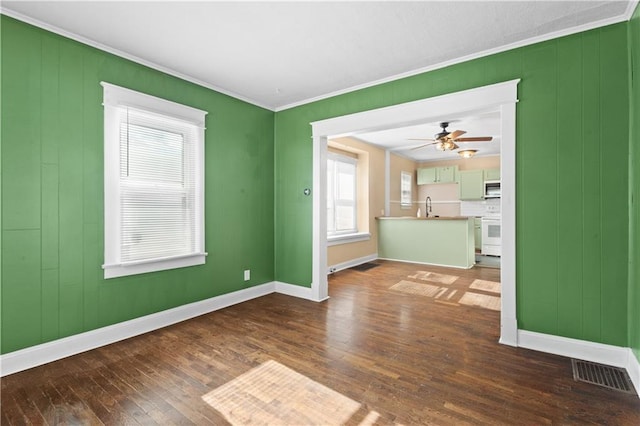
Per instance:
x=457, y=221
x=434, y=194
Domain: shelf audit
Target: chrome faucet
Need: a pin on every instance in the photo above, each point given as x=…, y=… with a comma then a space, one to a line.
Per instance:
x=427, y=207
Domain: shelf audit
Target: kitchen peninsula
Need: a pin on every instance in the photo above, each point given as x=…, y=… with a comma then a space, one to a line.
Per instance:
x=443, y=241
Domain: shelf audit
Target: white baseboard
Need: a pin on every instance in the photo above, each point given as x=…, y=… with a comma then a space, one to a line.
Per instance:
x=353, y=262
x=508, y=331
x=33, y=356
x=295, y=291
x=616, y=356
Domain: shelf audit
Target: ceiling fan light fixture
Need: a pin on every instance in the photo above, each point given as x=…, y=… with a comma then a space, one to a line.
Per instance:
x=448, y=145
x=467, y=153
x=440, y=146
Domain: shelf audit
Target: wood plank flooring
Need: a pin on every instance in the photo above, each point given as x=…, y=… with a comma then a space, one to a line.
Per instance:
x=370, y=355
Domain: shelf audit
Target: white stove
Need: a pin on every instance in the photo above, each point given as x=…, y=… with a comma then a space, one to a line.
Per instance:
x=491, y=235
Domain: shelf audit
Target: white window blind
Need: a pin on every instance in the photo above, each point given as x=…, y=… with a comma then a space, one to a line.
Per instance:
x=154, y=197
x=405, y=189
x=341, y=195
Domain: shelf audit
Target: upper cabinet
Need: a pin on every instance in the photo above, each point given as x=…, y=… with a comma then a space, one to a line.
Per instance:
x=471, y=184
x=446, y=174
x=492, y=174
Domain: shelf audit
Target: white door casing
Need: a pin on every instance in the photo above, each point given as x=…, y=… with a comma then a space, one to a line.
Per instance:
x=501, y=97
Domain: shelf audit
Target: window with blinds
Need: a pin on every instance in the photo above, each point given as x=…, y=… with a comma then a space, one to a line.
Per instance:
x=341, y=195
x=154, y=194
x=405, y=189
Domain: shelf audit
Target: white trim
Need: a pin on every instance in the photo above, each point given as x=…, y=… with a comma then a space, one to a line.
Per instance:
x=186, y=118
x=508, y=317
x=153, y=265
x=296, y=291
x=355, y=237
x=117, y=96
x=387, y=182
x=616, y=356
x=51, y=351
x=132, y=58
x=533, y=40
x=496, y=97
x=353, y=262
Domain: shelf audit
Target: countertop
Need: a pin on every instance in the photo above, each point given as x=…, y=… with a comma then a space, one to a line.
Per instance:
x=423, y=218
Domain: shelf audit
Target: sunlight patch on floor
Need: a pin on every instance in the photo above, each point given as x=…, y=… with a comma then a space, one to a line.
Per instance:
x=273, y=394
x=417, y=288
x=481, y=300
x=434, y=277
x=490, y=286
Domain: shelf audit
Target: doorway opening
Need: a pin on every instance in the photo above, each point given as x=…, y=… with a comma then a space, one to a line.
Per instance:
x=501, y=97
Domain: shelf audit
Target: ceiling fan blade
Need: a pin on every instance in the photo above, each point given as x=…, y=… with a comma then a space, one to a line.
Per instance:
x=476, y=139
x=422, y=146
x=422, y=139
x=455, y=134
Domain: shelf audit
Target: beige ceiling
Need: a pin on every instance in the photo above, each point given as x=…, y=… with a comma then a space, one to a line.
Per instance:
x=282, y=54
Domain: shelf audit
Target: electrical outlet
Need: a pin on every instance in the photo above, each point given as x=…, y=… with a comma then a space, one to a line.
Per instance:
x=247, y=274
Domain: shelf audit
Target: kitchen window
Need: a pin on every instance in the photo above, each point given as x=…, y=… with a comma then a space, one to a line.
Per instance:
x=406, y=179
x=153, y=183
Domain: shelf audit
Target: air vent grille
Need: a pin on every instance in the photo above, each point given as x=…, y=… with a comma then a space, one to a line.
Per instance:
x=602, y=375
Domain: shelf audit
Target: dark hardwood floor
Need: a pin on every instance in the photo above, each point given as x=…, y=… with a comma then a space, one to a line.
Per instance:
x=369, y=355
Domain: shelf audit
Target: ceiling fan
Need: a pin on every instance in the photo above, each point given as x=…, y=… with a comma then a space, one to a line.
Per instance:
x=446, y=141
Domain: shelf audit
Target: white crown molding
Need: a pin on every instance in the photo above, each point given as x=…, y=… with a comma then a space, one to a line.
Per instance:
x=631, y=7
x=626, y=16
x=132, y=58
x=533, y=40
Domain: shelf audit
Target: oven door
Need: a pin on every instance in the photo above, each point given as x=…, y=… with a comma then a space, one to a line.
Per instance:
x=491, y=236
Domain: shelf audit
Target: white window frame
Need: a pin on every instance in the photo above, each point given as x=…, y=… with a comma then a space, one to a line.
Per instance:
x=406, y=183
x=114, y=99
x=353, y=161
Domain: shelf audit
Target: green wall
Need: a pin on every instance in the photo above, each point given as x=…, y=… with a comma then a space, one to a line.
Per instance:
x=572, y=184
x=573, y=270
x=634, y=149
x=52, y=191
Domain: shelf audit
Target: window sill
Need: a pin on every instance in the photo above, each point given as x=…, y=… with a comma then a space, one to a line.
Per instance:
x=348, y=238
x=134, y=268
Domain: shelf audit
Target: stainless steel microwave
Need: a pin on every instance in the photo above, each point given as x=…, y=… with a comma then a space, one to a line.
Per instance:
x=491, y=189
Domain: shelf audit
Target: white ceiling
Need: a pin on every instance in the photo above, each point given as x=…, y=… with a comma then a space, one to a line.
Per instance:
x=281, y=54
x=398, y=140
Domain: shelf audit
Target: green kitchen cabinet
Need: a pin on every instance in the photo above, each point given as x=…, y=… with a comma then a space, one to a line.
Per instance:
x=492, y=174
x=471, y=184
x=427, y=175
x=447, y=174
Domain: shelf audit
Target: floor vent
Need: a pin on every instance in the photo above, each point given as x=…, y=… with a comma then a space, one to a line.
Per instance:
x=602, y=375
x=365, y=266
